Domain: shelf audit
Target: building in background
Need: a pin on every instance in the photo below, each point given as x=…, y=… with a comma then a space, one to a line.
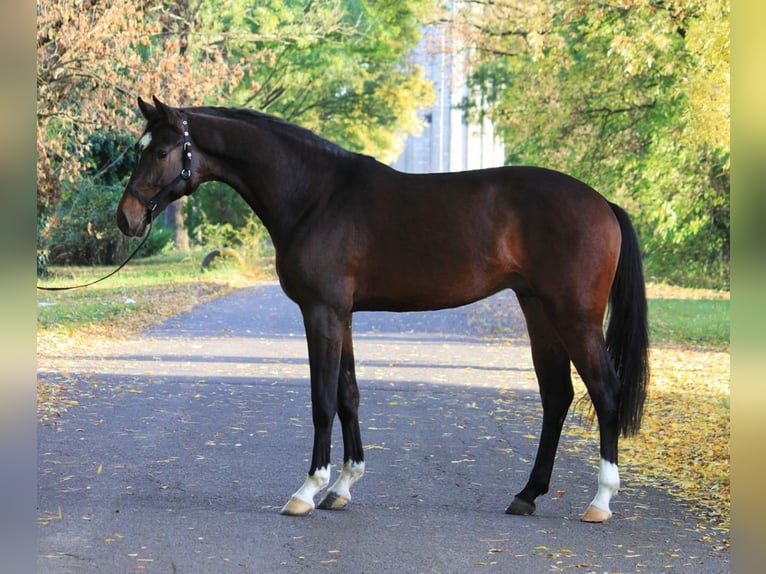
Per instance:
x=448, y=142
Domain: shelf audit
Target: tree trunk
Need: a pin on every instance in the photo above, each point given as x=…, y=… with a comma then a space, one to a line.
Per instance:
x=174, y=218
x=174, y=213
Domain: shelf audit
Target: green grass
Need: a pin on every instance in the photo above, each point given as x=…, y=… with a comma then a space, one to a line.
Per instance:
x=152, y=286
x=690, y=322
x=165, y=284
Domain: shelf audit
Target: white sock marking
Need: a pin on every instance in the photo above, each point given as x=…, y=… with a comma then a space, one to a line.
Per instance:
x=608, y=485
x=314, y=483
x=351, y=472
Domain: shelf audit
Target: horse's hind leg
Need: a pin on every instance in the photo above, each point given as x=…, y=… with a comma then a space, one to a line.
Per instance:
x=551, y=363
x=583, y=339
x=338, y=496
x=589, y=355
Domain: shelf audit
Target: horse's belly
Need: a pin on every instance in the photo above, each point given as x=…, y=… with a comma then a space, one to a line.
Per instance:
x=428, y=289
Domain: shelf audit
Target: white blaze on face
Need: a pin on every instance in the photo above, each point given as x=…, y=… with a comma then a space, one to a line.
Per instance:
x=145, y=140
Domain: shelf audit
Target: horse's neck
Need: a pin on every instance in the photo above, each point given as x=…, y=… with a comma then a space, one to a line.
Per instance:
x=266, y=171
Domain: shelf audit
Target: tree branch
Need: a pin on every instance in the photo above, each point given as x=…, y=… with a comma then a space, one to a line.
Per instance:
x=606, y=112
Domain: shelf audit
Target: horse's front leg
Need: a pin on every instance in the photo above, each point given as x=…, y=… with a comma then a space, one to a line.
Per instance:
x=324, y=334
x=339, y=494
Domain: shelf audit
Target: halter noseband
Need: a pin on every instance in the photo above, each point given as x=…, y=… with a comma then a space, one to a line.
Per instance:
x=151, y=203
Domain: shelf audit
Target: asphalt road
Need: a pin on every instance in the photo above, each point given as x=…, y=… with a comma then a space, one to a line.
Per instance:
x=181, y=445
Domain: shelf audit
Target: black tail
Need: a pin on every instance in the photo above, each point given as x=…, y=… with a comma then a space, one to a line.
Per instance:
x=627, y=334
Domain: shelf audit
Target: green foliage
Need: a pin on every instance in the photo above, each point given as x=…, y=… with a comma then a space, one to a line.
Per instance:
x=214, y=203
x=110, y=159
x=84, y=230
x=685, y=221
x=631, y=97
x=336, y=67
x=217, y=217
x=82, y=227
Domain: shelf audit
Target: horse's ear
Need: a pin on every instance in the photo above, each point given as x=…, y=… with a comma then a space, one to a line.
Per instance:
x=148, y=110
x=171, y=115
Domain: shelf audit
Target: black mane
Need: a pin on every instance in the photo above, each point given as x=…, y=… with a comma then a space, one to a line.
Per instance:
x=276, y=125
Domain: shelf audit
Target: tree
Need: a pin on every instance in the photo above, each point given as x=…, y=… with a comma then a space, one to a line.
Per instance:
x=336, y=66
x=631, y=96
x=93, y=58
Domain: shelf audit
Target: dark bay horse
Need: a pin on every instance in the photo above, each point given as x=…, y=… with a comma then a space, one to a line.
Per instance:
x=352, y=234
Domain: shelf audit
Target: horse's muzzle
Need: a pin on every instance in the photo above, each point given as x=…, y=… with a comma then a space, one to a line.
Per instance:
x=132, y=227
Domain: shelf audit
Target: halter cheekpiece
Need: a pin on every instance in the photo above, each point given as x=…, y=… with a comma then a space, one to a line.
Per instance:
x=151, y=203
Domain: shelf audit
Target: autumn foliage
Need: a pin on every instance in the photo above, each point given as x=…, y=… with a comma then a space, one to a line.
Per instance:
x=94, y=57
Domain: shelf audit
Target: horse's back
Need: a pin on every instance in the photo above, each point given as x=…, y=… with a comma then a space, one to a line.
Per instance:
x=443, y=240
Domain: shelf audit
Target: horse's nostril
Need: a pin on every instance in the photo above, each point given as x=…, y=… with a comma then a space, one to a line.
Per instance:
x=122, y=222
x=131, y=226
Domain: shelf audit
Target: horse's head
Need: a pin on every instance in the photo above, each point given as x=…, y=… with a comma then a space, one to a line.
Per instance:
x=164, y=170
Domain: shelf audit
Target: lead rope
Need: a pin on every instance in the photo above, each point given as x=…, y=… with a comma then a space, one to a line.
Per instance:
x=149, y=203
x=140, y=245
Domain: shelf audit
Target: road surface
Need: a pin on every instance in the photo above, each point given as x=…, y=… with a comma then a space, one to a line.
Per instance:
x=182, y=444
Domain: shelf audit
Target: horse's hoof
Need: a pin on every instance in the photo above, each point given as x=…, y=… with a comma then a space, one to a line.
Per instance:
x=520, y=507
x=333, y=501
x=296, y=507
x=596, y=514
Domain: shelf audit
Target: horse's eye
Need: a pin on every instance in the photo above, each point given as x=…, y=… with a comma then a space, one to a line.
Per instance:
x=162, y=154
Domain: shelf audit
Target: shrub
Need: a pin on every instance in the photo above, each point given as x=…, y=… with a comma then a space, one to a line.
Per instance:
x=250, y=239
x=84, y=232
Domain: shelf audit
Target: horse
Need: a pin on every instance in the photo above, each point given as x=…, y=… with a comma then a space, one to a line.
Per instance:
x=352, y=234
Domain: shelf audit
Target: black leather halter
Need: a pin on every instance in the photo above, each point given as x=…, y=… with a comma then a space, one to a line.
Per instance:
x=151, y=203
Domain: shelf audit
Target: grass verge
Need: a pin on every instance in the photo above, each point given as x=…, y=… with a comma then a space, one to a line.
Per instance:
x=143, y=293
x=697, y=323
